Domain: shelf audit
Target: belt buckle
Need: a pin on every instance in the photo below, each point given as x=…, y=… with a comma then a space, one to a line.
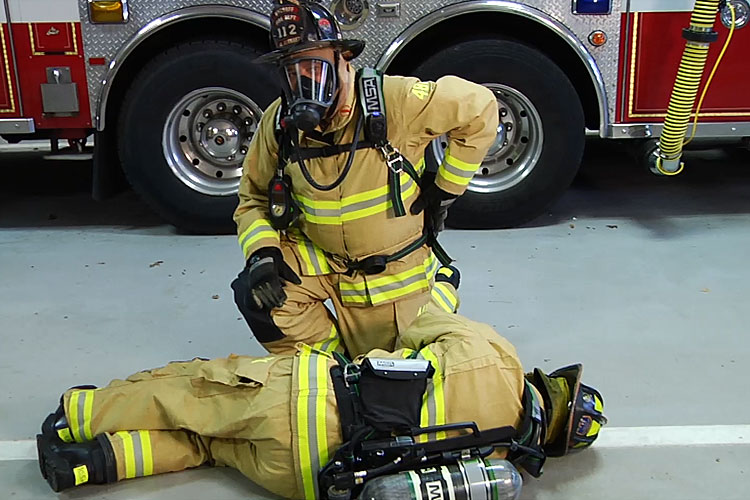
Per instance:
x=392, y=157
x=351, y=374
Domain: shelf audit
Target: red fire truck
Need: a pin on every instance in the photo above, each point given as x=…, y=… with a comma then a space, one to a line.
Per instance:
x=169, y=90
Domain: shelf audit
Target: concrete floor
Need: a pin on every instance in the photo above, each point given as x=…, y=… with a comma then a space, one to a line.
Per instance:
x=642, y=279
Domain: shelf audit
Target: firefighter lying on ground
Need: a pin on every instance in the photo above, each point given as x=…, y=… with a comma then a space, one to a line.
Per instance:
x=279, y=419
x=332, y=191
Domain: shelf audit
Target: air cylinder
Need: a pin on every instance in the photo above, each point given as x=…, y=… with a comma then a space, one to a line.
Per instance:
x=473, y=479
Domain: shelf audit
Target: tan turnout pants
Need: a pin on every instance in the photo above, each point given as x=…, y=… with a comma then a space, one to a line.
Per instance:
x=304, y=317
x=233, y=412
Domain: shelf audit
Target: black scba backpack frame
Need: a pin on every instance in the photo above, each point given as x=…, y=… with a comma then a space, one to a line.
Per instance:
x=283, y=209
x=379, y=403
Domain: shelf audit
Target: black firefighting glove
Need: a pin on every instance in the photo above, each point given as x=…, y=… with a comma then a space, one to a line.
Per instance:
x=266, y=274
x=435, y=203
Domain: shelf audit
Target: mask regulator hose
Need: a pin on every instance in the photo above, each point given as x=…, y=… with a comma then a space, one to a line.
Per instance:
x=698, y=38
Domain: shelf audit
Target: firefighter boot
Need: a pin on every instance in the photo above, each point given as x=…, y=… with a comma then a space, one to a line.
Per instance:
x=65, y=465
x=56, y=424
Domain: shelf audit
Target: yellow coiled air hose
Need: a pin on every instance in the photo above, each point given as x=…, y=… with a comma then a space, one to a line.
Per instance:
x=699, y=37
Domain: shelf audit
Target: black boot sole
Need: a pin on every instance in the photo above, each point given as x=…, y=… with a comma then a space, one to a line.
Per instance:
x=56, y=470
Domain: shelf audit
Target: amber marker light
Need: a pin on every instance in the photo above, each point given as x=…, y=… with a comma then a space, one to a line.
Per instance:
x=597, y=38
x=108, y=12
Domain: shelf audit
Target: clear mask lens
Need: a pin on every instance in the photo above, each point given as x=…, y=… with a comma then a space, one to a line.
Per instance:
x=311, y=80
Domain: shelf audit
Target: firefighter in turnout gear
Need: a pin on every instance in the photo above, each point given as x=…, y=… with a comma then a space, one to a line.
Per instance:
x=280, y=419
x=333, y=203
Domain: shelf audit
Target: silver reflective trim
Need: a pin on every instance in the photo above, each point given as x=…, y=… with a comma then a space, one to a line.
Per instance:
x=312, y=416
x=661, y=5
x=17, y=126
x=318, y=269
x=506, y=6
x=439, y=292
x=261, y=228
x=397, y=285
x=706, y=130
x=429, y=400
x=82, y=395
x=202, y=11
x=457, y=171
x=137, y=453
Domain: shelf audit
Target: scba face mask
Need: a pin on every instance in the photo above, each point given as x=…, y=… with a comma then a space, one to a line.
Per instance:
x=311, y=85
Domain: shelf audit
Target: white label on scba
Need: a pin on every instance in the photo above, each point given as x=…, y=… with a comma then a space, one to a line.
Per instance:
x=434, y=490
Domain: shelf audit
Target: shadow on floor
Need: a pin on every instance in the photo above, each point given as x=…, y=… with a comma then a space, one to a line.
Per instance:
x=39, y=193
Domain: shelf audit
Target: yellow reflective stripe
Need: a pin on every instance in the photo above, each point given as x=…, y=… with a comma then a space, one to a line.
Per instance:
x=329, y=344
x=128, y=451
x=460, y=164
x=359, y=286
x=322, y=259
x=80, y=408
x=340, y=207
x=419, y=167
x=320, y=417
x=437, y=390
x=594, y=429
x=406, y=353
x=431, y=265
x=313, y=256
x=399, y=292
x=305, y=254
x=148, y=457
x=87, y=410
x=387, y=280
x=259, y=229
x=397, y=279
x=75, y=427
x=461, y=181
x=311, y=418
x=442, y=299
x=358, y=299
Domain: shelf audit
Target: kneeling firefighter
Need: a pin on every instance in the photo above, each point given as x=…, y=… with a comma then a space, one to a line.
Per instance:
x=333, y=192
x=316, y=425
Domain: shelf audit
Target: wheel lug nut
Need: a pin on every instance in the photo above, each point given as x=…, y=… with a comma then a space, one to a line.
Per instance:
x=237, y=110
x=200, y=126
x=243, y=150
x=508, y=126
x=248, y=121
x=221, y=106
x=230, y=157
x=503, y=112
x=207, y=114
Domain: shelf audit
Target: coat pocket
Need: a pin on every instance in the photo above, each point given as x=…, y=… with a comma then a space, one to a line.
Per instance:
x=223, y=376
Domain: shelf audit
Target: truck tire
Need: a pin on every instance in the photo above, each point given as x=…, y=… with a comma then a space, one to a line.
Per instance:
x=540, y=141
x=185, y=126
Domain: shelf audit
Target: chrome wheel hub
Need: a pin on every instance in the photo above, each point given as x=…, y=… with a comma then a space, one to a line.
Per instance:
x=517, y=146
x=206, y=137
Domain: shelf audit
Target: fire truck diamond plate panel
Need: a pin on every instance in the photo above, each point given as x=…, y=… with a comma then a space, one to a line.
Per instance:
x=379, y=32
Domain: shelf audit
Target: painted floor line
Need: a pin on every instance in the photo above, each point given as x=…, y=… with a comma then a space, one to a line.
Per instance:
x=685, y=435
x=610, y=437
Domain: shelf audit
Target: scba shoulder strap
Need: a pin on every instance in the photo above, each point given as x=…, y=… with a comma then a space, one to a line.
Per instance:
x=372, y=105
